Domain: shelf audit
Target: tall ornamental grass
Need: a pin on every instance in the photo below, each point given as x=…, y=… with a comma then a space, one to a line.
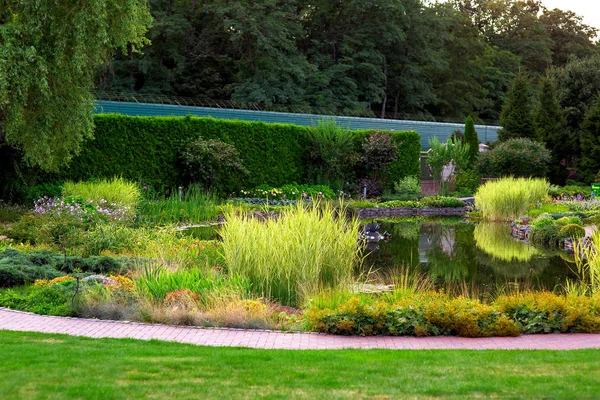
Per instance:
x=587, y=258
x=303, y=251
x=106, y=192
x=196, y=206
x=509, y=198
x=155, y=283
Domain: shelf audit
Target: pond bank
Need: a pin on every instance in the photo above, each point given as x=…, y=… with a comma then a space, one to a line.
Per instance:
x=370, y=213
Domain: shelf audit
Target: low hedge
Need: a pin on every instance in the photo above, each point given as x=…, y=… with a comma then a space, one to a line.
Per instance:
x=431, y=201
x=435, y=313
x=147, y=149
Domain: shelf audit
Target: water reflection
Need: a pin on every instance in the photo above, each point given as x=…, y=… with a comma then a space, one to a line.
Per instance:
x=495, y=240
x=474, y=254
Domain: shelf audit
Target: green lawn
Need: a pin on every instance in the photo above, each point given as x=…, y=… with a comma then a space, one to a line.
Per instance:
x=56, y=366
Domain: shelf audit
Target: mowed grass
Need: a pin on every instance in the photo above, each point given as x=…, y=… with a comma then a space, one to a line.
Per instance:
x=61, y=367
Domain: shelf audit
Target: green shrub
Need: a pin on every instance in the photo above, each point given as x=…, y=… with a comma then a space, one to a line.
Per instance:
x=548, y=235
x=567, y=220
x=291, y=191
x=569, y=191
x=213, y=165
x=432, y=313
x=62, y=230
x=18, y=268
x=34, y=192
x=10, y=212
x=303, y=251
x=542, y=221
x=409, y=187
x=401, y=204
x=18, y=275
x=519, y=157
x=107, y=192
x=441, y=201
x=572, y=231
x=378, y=151
x=472, y=140
x=509, y=198
x=333, y=152
x=48, y=300
x=466, y=181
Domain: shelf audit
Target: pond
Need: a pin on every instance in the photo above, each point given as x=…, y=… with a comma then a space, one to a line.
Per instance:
x=450, y=252
x=478, y=255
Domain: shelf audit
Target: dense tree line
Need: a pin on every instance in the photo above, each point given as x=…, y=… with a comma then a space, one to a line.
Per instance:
x=407, y=58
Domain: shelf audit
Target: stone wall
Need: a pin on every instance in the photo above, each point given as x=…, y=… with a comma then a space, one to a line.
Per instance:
x=369, y=213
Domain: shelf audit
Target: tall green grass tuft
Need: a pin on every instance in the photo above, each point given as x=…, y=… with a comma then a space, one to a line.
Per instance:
x=115, y=191
x=196, y=206
x=509, y=198
x=155, y=282
x=303, y=251
x=587, y=258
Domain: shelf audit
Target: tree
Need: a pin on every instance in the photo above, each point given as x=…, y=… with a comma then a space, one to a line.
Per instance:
x=570, y=37
x=271, y=69
x=577, y=86
x=590, y=144
x=442, y=154
x=552, y=130
x=49, y=50
x=516, y=118
x=471, y=140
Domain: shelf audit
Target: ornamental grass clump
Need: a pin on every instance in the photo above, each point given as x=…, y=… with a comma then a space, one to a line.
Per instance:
x=587, y=258
x=303, y=251
x=509, y=198
x=106, y=193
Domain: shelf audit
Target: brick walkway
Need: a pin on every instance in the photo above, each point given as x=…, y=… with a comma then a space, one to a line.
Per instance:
x=22, y=321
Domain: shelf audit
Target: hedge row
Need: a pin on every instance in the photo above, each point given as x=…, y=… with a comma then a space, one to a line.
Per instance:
x=146, y=150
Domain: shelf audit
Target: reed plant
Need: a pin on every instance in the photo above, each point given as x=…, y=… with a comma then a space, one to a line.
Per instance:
x=587, y=259
x=105, y=192
x=305, y=250
x=509, y=198
x=194, y=207
x=155, y=282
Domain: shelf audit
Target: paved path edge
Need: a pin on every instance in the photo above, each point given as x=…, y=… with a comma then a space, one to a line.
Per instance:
x=28, y=322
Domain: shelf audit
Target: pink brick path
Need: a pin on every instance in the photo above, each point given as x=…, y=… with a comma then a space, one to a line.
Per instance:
x=22, y=321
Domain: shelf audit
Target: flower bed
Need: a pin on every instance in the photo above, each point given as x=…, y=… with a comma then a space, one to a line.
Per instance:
x=435, y=313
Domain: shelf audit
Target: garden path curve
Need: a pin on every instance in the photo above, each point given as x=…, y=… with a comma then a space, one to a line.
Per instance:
x=24, y=321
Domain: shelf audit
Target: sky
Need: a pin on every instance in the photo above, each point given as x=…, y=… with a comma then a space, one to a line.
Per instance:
x=588, y=9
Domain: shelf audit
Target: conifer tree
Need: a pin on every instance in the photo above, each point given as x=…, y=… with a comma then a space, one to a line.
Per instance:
x=516, y=118
x=590, y=144
x=472, y=140
x=551, y=128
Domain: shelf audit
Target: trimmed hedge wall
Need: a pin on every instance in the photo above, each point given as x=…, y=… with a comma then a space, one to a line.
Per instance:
x=146, y=150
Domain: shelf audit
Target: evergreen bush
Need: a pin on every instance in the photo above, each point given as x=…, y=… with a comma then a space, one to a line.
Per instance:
x=520, y=157
x=517, y=117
